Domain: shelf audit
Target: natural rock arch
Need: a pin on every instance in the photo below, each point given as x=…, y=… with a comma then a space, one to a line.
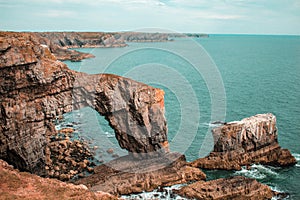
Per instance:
x=35, y=88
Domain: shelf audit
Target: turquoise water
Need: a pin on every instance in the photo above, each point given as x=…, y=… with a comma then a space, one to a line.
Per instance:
x=223, y=77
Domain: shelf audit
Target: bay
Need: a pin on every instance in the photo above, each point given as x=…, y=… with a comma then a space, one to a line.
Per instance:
x=258, y=74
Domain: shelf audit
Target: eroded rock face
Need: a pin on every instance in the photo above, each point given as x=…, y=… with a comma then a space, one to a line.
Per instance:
x=83, y=39
x=234, y=188
x=35, y=88
x=251, y=140
x=127, y=175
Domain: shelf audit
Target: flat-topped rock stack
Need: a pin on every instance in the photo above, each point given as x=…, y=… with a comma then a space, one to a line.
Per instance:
x=241, y=143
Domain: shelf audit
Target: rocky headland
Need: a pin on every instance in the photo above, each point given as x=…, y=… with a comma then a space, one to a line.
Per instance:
x=61, y=43
x=36, y=89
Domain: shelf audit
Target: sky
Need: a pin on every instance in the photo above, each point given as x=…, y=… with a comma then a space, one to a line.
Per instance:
x=187, y=16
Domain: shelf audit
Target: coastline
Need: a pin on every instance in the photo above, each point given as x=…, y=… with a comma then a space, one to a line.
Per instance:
x=31, y=61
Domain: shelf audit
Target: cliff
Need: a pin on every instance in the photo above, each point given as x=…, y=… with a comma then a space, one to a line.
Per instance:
x=242, y=143
x=60, y=43
x=35, y=88
x=143, y=37
x=83, y=39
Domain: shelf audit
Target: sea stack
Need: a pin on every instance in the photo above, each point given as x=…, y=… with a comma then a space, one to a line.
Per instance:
x=241, y=143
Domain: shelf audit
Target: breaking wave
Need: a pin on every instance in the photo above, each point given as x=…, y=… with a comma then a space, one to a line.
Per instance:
x=164, y=194
x=258, y=171
x=297, y=156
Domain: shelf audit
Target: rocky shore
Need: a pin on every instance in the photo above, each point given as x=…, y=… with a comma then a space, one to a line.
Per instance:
x=127, y=175
x=36, y=89
x=234, y=188
x=66, y=157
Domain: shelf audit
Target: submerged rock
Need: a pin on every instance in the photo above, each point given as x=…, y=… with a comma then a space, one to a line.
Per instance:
x=242, y=143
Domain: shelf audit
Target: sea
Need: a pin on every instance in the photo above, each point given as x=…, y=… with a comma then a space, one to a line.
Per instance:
x=221, y=78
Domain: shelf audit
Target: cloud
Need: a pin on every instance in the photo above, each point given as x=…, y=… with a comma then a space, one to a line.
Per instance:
x=57, y=13
x=221, y=17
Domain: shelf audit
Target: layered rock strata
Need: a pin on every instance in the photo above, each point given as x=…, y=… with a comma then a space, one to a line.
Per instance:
x=127, y=175
x=234, y=188
x=22, y=185
x=35, y=88
x=241, y=143
x=84, y=39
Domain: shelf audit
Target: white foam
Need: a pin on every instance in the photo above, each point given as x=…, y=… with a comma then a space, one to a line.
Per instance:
x=156, y=195
x=211, y=125
x=257, y=171
x=58, y=127
x=109, y=135
x=276, y=189
x=297, y=156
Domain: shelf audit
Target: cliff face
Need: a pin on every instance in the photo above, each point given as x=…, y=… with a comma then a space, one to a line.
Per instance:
x=143, y=37
x=60, y=42
x=83, y=39
x=251, y=140
x=35, y=88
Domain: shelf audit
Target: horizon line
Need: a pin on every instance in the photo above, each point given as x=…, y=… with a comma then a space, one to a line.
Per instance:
x=132, y=31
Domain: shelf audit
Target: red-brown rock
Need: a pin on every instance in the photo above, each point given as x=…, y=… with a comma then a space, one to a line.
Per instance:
x=251, y=140
x=22, y=185
x=234, y=188
x=127, y=175
x=35, y=88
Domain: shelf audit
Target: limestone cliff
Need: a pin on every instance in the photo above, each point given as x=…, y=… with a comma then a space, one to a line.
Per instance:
x=251, y=140
x=35, y=88
x=83, y=39
x=143, y=37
